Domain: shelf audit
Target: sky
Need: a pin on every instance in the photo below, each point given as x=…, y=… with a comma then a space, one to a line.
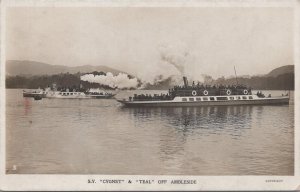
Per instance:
x=148, y=42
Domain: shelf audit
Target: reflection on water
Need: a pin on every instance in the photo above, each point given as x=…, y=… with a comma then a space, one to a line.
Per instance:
x=190, y=121
x=189, y=118
x=102, y=137
x=201, y=120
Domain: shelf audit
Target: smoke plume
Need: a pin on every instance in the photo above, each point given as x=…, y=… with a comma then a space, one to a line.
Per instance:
x=120, y=81
x=177, y=57
x=173, y=62
x=169, y=64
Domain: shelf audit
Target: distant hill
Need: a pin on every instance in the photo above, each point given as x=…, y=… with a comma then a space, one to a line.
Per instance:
x=281, y=70
x=281, y=78
x=31, y=68
x=29, y=74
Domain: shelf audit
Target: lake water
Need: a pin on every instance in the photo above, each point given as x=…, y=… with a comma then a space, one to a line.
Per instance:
x=99, y=136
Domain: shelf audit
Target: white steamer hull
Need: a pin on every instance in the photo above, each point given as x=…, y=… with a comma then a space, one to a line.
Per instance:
x=177, y=102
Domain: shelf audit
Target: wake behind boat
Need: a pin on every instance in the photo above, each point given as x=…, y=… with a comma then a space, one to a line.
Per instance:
x=200, y=95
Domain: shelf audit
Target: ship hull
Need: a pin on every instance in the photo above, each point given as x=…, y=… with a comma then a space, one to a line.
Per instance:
x=171, y=103
x=101, y=96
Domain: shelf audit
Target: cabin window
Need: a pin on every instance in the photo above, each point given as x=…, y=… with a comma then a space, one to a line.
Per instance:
x=244, y=97
x=212, y=98
x=205, y=99
x=71, y=93
x=184, y=99
x=238, y=98
x=231, y=98
x=191, y=99
x=221, y=98
x=250, y=97
x=198, y=99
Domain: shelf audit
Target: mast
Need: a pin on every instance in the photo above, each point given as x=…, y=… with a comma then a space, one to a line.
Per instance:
x=235, y=75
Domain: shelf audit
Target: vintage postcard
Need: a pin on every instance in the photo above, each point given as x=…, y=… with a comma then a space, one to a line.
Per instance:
x=150, y=95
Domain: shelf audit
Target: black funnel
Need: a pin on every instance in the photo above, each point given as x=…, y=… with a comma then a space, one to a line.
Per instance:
x=185, y=81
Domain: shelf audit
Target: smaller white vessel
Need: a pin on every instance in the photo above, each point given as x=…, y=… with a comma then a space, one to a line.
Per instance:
x=67, y=95
x=34, y=93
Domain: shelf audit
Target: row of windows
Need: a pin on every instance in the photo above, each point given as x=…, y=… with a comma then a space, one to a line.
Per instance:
x=217, y=98
x=68, y=93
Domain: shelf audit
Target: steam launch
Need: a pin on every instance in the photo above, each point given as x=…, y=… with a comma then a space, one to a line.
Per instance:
x=204, y=95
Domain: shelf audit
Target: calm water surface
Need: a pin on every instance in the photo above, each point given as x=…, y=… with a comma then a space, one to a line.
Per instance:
x=72, y=136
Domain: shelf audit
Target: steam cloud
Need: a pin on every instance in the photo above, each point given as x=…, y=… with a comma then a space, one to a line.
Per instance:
x=178, y=61
x=182, y=58
x=173, y=56
x=172, y=62
x=121, y=81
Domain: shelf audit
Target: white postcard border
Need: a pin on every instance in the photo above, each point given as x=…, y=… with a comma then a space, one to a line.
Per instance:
x=39, y=182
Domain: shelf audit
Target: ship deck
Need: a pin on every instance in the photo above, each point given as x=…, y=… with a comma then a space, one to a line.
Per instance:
x=209, y=101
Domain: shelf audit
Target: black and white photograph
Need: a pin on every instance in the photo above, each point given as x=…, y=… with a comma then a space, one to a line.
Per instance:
x=169, y=91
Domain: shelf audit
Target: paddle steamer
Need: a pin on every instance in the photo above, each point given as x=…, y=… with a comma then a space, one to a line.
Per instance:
x=66, y=94
x=204, y=95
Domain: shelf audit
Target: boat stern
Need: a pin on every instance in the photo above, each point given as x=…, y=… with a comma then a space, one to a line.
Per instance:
x=123, y=101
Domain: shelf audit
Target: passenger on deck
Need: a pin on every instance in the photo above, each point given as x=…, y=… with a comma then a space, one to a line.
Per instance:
x=258, y=94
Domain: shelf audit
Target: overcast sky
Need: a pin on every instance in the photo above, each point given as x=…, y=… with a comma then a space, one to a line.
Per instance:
x=146, y=41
